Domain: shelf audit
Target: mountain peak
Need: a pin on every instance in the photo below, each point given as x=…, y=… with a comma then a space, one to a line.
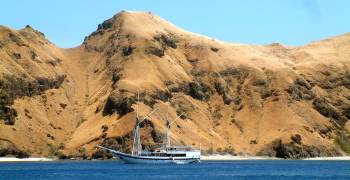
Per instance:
x=140, y=24
x=127, y=17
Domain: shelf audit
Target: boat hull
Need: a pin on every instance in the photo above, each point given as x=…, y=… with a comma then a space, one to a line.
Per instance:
x=154, y=160
x=132, y=159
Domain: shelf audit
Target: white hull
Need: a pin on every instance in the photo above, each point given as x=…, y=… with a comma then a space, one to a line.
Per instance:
x=133, y=159
x=155, y=160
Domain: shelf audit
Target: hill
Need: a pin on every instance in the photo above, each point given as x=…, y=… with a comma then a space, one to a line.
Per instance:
x=276, y=100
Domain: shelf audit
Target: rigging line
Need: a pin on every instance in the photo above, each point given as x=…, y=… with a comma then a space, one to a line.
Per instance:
x=148, y=115
x=176, y=118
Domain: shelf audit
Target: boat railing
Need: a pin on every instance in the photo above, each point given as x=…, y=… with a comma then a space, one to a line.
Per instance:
x=180, y=148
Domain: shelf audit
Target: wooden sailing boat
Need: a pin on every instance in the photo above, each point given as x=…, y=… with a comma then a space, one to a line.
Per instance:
x=166, y=154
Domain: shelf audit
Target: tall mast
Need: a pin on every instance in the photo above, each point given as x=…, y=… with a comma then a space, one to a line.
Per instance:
x=138, y=141
x=168, y=125
x=139, y=147
x=167, y=140
x=136, y=148
x=137, y=105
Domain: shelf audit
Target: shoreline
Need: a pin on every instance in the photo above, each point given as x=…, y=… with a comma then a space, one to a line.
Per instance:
x=213, y=157
x=337, y=158
x=30, y=159
x=228, y=157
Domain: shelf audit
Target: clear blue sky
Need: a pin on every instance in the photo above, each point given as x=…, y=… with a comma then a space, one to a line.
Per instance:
x=291, y=22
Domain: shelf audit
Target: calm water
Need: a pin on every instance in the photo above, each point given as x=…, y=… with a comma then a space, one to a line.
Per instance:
x=254, y=169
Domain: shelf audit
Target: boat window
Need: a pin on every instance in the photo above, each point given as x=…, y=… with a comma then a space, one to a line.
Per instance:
x=176, y=155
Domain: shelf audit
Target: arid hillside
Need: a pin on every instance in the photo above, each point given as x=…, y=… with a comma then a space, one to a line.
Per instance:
x=275, y=100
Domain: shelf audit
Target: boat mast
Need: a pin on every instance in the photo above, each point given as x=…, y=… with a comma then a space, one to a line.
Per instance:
x=168, y=125
x=136, y=148
x=167, y=140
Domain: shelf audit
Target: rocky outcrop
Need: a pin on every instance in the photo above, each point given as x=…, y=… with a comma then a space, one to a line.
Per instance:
x=119, y=102
x=7, y=148
x=297, y=151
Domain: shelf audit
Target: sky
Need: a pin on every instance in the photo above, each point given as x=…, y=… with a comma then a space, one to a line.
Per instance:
x=290, y=22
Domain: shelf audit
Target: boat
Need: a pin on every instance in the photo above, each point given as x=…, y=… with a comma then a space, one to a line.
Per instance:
x=173, y=155
x=167, y=154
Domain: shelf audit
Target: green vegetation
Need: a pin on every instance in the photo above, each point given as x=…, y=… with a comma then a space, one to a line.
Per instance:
x=7, y=114
x=343, y=141
x=226, y=150
x=301, y=90
x=12, y=151
x=104, y=128
x=127, y=50
x=82, y=150
x=157, y=51
x=233, y=119
x=229, y=150
x=3, y=103
x=214, y=49
x=120, y=103
x=219, y=87
x=210, y=150
x=167, y=41
x=328, y=110
x=53, y=151
x=199, y=90
x=12, y=87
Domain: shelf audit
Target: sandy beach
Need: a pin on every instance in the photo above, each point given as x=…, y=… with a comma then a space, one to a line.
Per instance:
x=342, y=158
x=228, y=157
x=31, y=159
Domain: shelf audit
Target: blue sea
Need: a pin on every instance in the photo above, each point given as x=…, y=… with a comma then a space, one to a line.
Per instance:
x=114, y=169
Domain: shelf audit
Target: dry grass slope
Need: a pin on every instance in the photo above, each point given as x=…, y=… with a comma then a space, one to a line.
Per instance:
x=289, y=102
